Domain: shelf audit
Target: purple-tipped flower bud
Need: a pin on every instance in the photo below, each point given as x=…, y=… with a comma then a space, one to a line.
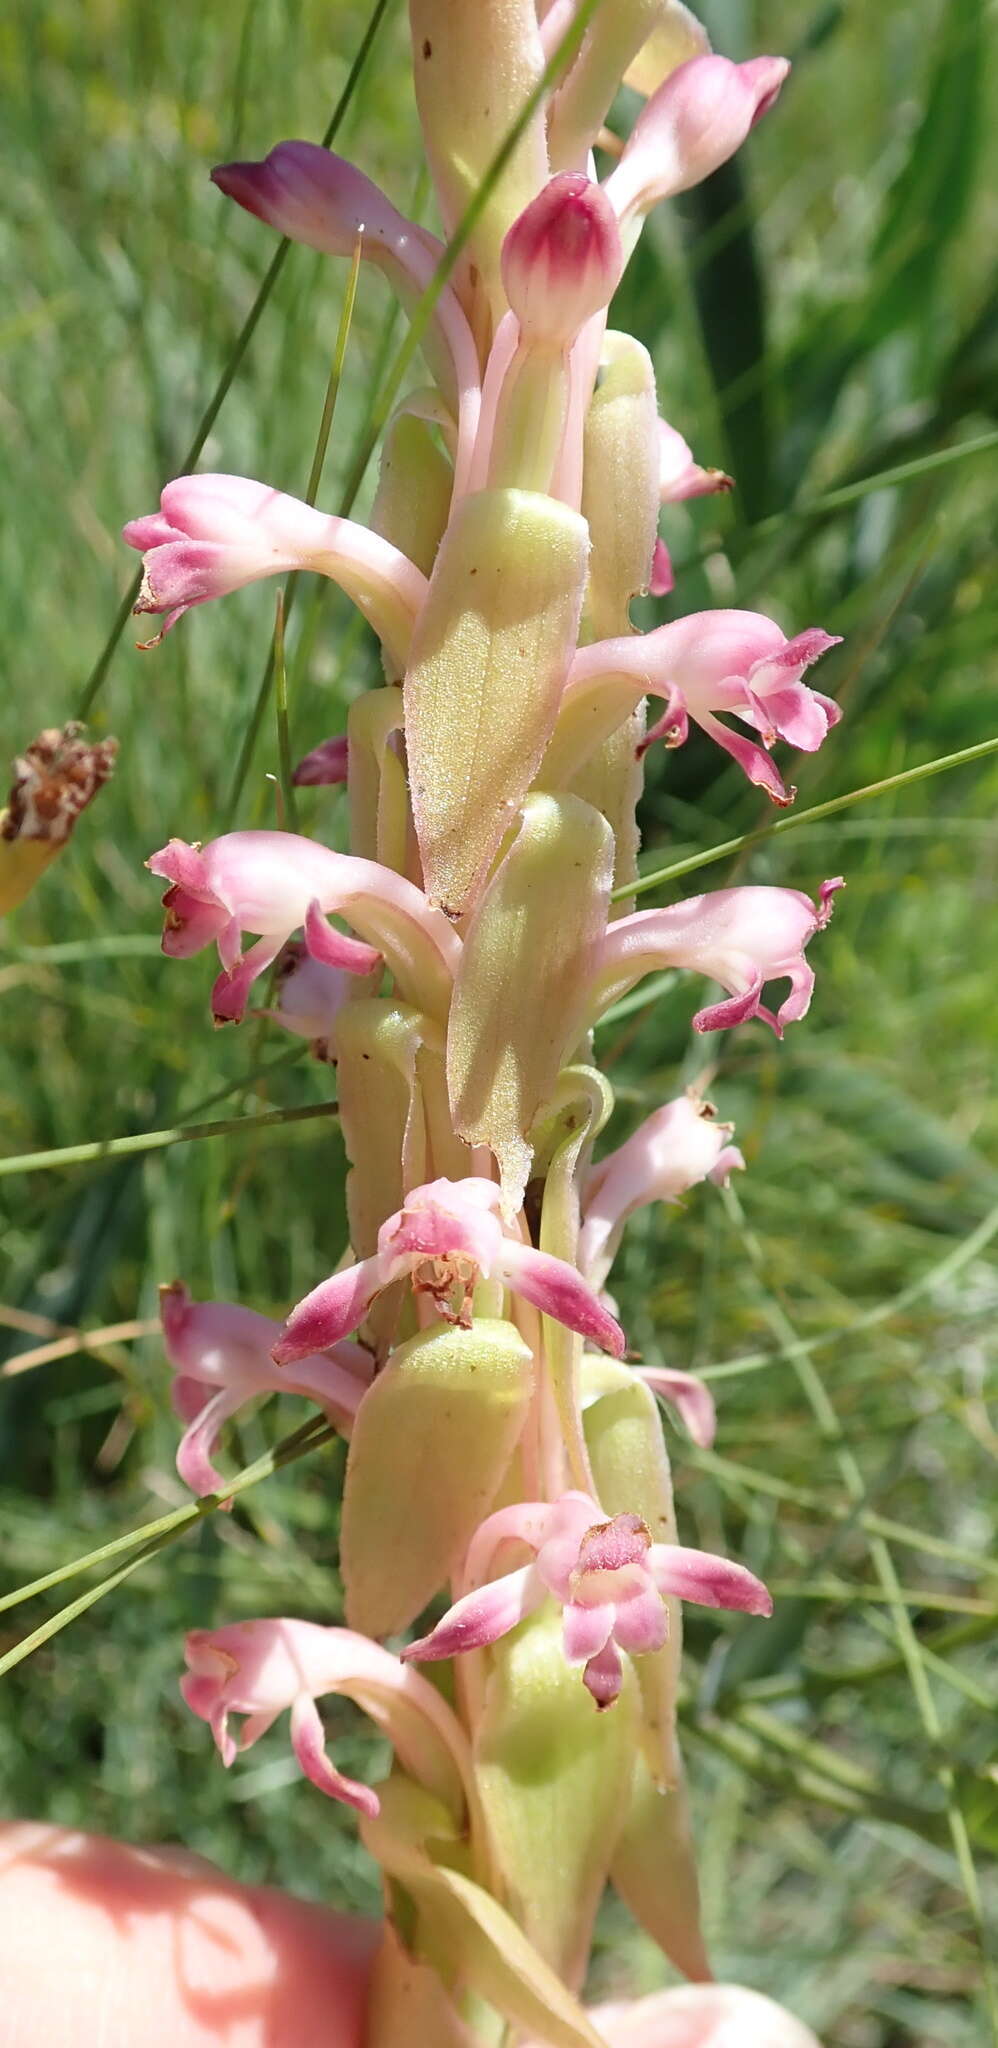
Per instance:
x=561, y=261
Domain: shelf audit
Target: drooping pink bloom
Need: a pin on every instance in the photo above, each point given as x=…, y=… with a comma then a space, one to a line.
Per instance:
x=327, y=763
x=220, y=1353
x=446, y=1237
x=742, y=938
x=315, y=197
x=719, y=661
x=681, y=1144
x=679, y=477
x=215, y=534
x=688, y=128
x=309, y=996
x=608, y=1575
x=272, y=883
x=263, y=1668
x=561, y=260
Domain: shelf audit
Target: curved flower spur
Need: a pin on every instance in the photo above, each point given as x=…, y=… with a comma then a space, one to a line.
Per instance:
x=452, y=965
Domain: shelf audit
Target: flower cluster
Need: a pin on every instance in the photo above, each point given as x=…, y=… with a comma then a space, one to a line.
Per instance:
x=506, y=1464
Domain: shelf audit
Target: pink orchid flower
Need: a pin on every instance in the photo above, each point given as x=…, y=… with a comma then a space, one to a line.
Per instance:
x=215, y=534
x=327, y=763
x=264, y=1668
x=688, y=128
x=313, y=196
x=679, y=477
x=447, y=1237
x=309, y=997
x=220, y=1353
x=742, y=938
x=272, y=883
x=709, y=662
x=691, y=1399
x=681, y=1144
x=610, y=1578
x=561, y=260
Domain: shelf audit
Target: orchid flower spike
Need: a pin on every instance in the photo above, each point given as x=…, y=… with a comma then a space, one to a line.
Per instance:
x=272, y=883
x=742, y=938
x=220, y=1353
x=264, y=1668
x=214, y=534
x=693, y=123
x=608, y=1575
x=679, y=1145
x=710, y=662
x=447, y=1237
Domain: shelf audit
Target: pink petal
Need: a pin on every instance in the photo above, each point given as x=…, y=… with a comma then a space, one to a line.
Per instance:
x=642, y=1623
x=481, y=1617
x=661, y=580
x=604, y=1675
x=188, y=1397
x=694, y=122
x=327, y=763
x=152, y=531
x=337, y=949
x=709, y=1581
x=316, y=197
x=737, y=1009
x=692, y=1400
x=198, y=1441
x=183, y=573
x=752, y=759
x=331, y=1311
x=555, y=1287
x=230, y=993
x=308, y=1740
x=586, y=1630
x=184, y=865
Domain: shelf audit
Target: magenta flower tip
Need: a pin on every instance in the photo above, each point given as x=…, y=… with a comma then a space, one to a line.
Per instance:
x=562, y=259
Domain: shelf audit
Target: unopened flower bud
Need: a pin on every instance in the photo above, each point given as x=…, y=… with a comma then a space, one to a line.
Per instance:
x=690, y=126
x=561, y=261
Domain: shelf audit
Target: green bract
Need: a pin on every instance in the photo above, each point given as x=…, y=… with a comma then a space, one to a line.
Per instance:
x=484, y=681
x=432, y=1439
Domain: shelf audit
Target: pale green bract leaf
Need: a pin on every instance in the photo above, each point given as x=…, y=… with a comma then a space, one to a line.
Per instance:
x=463, y=1930
x=485, y=674
x=554, y=1776
x=654, y=1870
x=431, y=1441
x=536, y=929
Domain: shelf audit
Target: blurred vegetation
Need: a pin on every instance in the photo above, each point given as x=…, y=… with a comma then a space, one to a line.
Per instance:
x=819, y=313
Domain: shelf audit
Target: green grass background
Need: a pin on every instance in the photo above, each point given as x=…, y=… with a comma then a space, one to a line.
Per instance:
x=822, y=313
